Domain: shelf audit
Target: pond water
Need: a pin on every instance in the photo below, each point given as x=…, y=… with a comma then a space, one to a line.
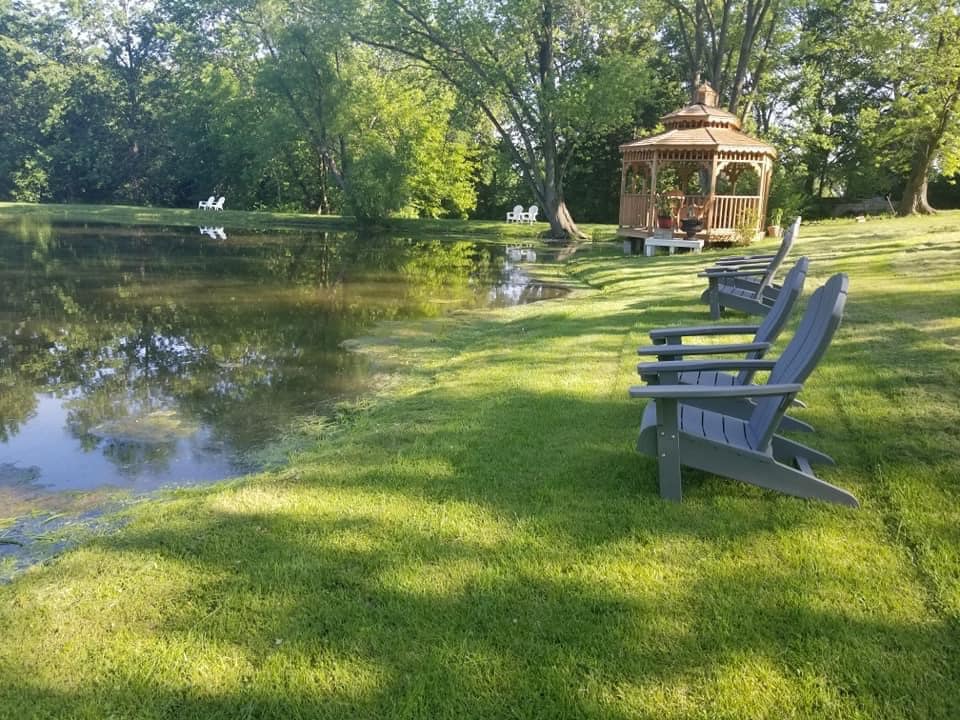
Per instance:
x=136, y=358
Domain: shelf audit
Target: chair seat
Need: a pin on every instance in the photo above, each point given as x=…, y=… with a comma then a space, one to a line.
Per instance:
x=705, y=424
x=729, y=288
x=715, y=378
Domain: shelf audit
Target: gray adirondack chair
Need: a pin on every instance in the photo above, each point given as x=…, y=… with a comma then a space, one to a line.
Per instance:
x=758, y=262
x=746, y=287
x=668, y=346
x=677, y=433
x=789, y=236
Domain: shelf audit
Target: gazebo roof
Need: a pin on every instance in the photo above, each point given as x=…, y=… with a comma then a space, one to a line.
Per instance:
x=703, y=126
x=701, y=114
x=703, y=138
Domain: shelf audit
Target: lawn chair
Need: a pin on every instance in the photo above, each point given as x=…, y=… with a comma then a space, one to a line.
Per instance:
x=531, y=215
x=669, y=347
x=677, y=433
x=747, y=287
x=515, y=215
x=218, y=205
x=788, y=238
x=207, y=204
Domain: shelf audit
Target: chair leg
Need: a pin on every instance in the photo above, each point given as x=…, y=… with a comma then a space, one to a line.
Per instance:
x=796, y=482
x=786, y=451
x=767, y=472
x=668, y=448
x=714, y=291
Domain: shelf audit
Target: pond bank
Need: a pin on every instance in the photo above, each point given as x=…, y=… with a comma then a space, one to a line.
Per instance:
x=134, y=358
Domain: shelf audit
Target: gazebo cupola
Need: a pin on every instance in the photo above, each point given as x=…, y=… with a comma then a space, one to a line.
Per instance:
x=702, y=166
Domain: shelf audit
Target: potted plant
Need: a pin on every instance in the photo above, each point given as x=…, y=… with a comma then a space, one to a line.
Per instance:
x=691, y=221
x=664, y=212
x=774, y=229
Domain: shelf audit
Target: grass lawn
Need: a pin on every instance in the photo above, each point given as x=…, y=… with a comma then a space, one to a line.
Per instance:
x=482, y=541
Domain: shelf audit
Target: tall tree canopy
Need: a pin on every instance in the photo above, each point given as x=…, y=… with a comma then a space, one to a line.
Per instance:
x=917, y=128
x=544, y=73
x=451, y=108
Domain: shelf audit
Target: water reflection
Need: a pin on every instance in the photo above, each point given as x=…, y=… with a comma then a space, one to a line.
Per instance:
x=217, y=233
x=136, y=357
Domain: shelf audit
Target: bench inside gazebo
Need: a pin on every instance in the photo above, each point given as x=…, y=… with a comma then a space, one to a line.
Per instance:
x=705, y=175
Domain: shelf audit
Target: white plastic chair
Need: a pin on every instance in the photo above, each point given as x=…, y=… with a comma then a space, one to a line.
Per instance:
x=206, y=204
x=531, y=215
x=219, y=204
x=516, y=215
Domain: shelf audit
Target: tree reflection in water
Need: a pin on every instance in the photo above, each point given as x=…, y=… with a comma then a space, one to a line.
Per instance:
x=168, y=356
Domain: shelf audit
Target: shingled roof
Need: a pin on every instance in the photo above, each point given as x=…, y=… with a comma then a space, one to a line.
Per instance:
x=702, y=125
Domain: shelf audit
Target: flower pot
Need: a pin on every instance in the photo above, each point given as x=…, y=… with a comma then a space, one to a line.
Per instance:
x=664, y=222
x=774, y=231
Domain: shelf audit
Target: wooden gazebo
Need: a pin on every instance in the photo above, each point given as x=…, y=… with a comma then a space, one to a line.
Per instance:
x=694, y=169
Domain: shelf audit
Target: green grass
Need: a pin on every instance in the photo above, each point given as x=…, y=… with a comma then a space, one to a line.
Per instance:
x=482, y=541
x=270, y=221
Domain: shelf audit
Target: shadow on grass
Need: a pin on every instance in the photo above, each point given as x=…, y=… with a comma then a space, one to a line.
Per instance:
x=441, y=570
x=404, y=625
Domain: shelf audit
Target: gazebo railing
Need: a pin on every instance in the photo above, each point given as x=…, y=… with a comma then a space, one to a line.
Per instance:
x=721, y=212
x=730, y=210
x=635, y=210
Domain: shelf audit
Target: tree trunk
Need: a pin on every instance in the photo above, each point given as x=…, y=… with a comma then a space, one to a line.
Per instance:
x=556, y=212
x=914, y=200
x=561, y=222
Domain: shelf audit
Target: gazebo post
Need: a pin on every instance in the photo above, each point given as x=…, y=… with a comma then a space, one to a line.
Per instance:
x=710, y=196
x=623, y=189
x=767, y=177
x=652, y=208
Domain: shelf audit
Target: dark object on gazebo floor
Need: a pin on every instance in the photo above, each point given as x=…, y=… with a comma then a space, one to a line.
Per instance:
x=691, y=226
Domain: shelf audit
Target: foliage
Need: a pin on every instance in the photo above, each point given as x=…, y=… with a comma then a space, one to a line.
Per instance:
x=468, y=108
x=543, y=74
x=406, y=155
x=745, y=228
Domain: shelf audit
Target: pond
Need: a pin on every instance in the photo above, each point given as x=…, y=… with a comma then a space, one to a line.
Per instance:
x=138, y=358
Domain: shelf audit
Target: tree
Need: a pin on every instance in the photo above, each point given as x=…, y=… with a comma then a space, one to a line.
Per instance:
x=31, y=84
x=719, y=42
x=544, y=73
x=922, y=124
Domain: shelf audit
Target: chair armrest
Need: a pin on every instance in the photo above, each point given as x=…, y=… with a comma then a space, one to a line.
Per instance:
x=702, y=330
x=743, y=259
x=676, y=366
x=683, y=392
x=738, y=273
x=731, y=267
x=718, y=349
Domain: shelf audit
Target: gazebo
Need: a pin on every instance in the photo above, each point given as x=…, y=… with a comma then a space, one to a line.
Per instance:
x=702, y=166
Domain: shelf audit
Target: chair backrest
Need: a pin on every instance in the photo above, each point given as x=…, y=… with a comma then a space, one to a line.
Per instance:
x=533, y=212
x=788, y=239
x=220, y=202
x=817, y=327
x=776, y=319
x=517, y=209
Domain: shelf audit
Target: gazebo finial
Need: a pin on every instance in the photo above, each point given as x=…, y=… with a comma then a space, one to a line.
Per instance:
x=705, y=95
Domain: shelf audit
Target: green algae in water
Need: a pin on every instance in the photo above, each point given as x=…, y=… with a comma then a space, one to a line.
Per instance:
x=156, y=427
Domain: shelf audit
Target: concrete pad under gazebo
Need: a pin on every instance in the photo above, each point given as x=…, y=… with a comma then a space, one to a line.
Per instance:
x=704, y=154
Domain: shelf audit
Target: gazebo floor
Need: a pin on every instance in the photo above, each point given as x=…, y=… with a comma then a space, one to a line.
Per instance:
x=714, y=235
